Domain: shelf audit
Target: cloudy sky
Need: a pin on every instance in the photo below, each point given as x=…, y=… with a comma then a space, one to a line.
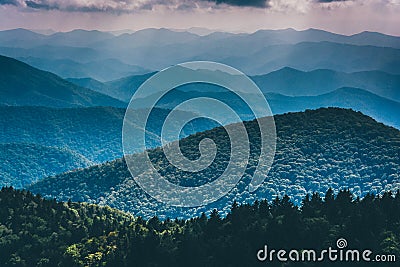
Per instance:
x=343, y=16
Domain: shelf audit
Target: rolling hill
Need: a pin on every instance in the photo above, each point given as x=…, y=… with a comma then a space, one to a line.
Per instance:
x=36, y=142
x=292, y=82
x=380, y=108
x=23, y=85
x=22, y=164
x=104, y=70
x=94, y=133
x=121, y=89
x=286, y=81
x=316, y=149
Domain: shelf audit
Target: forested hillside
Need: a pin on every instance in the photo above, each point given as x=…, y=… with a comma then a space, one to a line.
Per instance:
x=316, y=149
x=39, y=232
x=24, y=85
x=36, y=142
x=22, y=164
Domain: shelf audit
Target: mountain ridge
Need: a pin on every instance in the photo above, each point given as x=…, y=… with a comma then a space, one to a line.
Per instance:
x=254, y=53
x=316, y=149
x=24, y=85
x=286, y=81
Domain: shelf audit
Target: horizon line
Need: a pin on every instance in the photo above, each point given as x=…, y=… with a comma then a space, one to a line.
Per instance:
x=189, y=30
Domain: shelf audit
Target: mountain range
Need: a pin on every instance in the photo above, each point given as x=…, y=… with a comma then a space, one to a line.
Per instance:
x=320, y=88
x=154, y=49
x=37, y=142
x=311, y=90
x=63, y=98
x=79, y=120
x=316, y=150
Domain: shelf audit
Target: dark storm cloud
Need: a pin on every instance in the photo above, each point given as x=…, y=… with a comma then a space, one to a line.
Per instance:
x=129, y=5
x=330, y=1
x=80, y=6
x=38, y=5
x=243, y=3
x=9, y=2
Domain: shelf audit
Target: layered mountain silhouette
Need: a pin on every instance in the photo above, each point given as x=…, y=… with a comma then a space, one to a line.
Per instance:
x=37, y=142
x=154, y=49
x=371, y=104
x=23, y=85
x=315, y=150
x=286, y=81
x=104, y=69
x=62, y=103
x=293, y=82
x=83, y=114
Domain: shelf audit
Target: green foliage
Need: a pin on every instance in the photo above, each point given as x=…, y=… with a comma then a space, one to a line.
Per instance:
x=39, y=232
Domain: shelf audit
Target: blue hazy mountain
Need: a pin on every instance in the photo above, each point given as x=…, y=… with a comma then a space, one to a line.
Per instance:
x=147, y=37
x=22, y=164
x=122, y=89
x=291, y=36
x=36, y=142
x=78, y=37
x=381, y=109
x=20, y=38
x=286, y=81
x=104, y=70
x=325, y=55
x=92, y=132
x=316, y=149
x=292, y=82
x=256, y=53
x=311, y=90
x=23, y=85
x=92, y=84
x=75, y=38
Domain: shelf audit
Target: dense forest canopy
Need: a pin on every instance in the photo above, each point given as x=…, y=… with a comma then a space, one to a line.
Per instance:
x=39, y=232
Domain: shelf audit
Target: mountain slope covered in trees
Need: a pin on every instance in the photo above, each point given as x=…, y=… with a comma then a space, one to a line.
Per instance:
x=22, y=164
x=316, y=150
x=37, y=142
x=40, y=232
x=93, y=132
x=23, y=85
